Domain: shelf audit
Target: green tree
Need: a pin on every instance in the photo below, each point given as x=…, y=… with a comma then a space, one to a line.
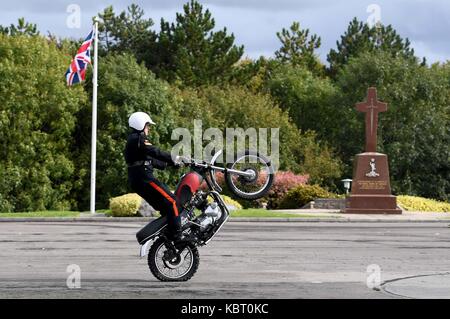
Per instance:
x=128, y=32
x=298, y=48
x=106, y=29
x=22, y=28
x=36, y=125
x=191, y=52
x=414, y=132
x=310, y=100
x=254, y=74
x=360, y=38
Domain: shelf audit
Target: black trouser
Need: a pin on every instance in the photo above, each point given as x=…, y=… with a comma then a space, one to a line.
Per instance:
x=157, y=195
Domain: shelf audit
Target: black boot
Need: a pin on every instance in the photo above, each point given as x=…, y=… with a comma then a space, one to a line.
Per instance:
x=175, y=236
x=179, y=239
x=172, y=235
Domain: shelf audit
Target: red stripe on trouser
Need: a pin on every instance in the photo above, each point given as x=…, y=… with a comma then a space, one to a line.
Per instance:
x=166, y=196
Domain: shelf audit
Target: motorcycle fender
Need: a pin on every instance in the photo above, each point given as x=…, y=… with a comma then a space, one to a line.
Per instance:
x=145, y=248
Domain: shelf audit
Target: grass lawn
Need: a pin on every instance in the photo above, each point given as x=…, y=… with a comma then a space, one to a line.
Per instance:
x=49, y=213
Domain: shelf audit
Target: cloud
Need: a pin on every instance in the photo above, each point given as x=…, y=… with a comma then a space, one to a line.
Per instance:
x=255, y=22
x=421, y=49
x=268, y=5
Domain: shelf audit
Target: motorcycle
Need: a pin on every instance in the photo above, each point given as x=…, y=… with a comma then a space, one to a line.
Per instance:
x=203, y=212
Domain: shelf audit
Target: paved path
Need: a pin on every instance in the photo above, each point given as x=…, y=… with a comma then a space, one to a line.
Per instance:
x=245, y=260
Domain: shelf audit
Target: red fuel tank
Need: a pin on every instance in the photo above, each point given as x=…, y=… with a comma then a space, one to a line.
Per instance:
x=187, y=186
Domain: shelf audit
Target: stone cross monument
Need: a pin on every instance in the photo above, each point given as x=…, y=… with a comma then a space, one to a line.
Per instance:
x=371, y=107
x=371, y=190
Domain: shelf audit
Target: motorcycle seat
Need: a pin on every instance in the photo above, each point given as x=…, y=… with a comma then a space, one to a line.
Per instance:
x=151, y=230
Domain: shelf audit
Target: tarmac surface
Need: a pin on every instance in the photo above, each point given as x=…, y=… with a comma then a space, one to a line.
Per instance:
x=245, y=260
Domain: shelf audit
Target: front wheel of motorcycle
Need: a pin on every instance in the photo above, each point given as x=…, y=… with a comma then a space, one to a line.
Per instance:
x=166, y=265
x=259, y=179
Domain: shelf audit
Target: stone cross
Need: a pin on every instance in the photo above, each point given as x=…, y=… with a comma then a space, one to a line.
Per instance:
x=371, y=107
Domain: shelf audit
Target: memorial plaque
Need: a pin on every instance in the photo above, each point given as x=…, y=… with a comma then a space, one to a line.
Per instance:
x=371, y=190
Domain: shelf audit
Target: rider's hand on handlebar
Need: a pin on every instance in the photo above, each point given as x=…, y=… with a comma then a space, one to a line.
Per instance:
x=182, y=161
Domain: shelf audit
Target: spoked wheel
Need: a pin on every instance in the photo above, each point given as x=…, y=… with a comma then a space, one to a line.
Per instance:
x=259, y=179
x=167, y=265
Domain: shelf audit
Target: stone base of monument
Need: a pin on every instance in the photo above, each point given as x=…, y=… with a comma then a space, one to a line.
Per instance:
x=371, y=190
x=371, y=204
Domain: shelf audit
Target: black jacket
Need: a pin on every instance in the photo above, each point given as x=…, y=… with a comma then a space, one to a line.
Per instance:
x=140, y=152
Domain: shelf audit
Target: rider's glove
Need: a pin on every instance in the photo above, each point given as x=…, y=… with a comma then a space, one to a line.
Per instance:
x=182, y=161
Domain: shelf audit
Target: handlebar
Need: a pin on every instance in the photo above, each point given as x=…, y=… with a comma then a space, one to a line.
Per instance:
x=204, y=164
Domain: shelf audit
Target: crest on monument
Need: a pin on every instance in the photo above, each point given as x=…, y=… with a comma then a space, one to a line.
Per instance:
x=373, y=169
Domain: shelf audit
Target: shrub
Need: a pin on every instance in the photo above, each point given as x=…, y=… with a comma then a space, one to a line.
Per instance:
x=422, y=204
x=303, y=194
x=125, y=206
x=284, y=181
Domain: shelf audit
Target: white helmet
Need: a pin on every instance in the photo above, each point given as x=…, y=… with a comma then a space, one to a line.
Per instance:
x=138, y=120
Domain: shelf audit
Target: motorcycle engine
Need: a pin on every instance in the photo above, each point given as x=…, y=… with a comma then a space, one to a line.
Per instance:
x=211, y=213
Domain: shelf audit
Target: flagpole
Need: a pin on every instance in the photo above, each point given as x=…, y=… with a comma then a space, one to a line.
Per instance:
x=94, y=118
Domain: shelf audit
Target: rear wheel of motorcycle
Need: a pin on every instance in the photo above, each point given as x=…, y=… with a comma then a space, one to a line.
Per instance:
x=255, y=187
x=178, y=269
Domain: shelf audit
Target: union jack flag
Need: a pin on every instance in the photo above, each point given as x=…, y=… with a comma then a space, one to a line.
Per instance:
x=77, y=69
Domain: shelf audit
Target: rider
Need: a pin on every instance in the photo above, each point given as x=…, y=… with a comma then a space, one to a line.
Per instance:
x=142, y=157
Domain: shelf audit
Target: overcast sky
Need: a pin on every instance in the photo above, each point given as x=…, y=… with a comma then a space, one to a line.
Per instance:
x=255, y=22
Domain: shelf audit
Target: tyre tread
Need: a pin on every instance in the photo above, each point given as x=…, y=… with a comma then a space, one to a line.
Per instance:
x=161, y=277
